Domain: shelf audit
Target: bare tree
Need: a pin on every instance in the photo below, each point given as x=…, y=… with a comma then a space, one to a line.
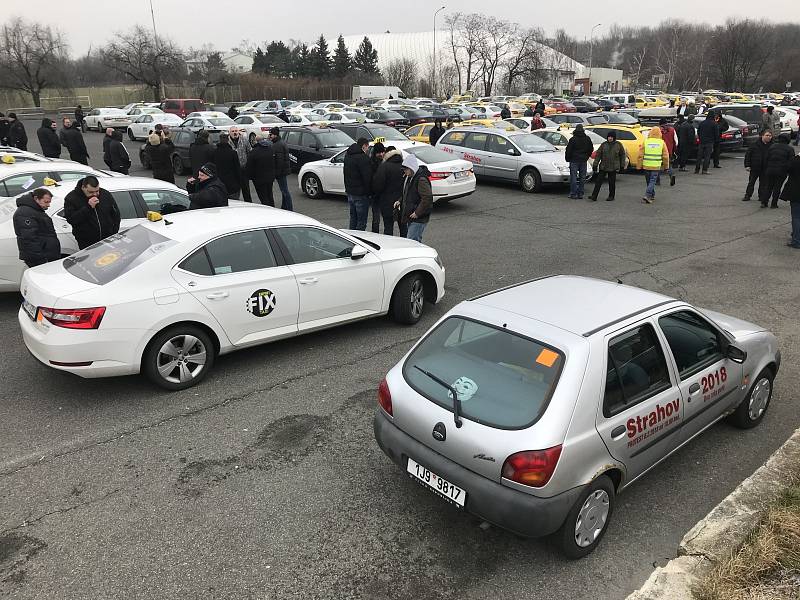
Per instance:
x=496, y=43
x=143, y=59
x=32, y=56
x=466, y=36
x=638, y=62
x=404, y=73
x=523, y=58
x=740, y=51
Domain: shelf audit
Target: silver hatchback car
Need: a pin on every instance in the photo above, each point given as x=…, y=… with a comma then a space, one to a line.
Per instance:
x=532, y=407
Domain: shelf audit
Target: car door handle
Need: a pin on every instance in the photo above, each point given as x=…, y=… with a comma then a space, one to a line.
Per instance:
x=618, y=431
x=694, y=388
x=309, y=280
x=217, y=295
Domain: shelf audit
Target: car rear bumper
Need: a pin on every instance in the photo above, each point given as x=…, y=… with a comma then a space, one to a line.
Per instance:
x=510, y=509
x=453, y=189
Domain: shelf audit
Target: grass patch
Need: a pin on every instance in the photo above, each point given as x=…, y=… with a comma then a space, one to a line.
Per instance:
x=767, y=566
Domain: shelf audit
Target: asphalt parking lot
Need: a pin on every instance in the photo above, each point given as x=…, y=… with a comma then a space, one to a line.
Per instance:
x=265, y=481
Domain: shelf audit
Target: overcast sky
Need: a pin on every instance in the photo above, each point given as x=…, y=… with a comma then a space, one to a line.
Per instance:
x=224, y=23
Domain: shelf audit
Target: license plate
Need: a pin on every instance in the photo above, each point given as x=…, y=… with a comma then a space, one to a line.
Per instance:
x=442, y=487
x=29, y=308
x=462, y=174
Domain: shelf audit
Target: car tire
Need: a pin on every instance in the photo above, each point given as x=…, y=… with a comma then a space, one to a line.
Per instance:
x=752, y=409
x=178, y=347
x=252, y=138
x=131, y=137
x=408, y=299
x=145, y=160
x=312, y=186
x=530, y=180
x=588, y=519
x=99, y=127
x=177, y=165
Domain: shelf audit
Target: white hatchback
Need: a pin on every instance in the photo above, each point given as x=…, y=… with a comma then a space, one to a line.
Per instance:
x=166, y=297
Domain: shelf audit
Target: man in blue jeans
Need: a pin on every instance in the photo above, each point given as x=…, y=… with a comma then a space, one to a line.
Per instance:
x=417, y=200
x=579, y=150
x=282, y=167
x=358, y=183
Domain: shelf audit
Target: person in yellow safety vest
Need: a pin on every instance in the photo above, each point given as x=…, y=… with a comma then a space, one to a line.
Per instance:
x=655, y=158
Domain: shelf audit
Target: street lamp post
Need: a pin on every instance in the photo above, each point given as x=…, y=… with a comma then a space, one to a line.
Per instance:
x=155, y=41
x=591, y=52
x=434, y=49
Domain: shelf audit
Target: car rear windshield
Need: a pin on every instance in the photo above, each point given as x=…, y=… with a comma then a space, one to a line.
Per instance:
x=429, y=155
x=106, y=260
x=387, y=133
x=333, y=138
x=193, y=105
x=502, y=379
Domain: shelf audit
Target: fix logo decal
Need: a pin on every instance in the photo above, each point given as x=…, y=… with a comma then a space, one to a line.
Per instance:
x=261, y=303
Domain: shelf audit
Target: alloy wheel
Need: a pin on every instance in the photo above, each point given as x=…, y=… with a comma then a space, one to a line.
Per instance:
x=181, y=358
x=417, y=298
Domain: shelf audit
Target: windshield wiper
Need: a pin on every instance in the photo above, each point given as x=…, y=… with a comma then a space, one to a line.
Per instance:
x=443, y=383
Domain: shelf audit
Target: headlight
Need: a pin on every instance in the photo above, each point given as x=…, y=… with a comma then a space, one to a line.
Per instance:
x=439, y=261
x=560, y=166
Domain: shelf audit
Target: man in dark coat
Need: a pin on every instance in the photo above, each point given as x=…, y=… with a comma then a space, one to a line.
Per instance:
x=72, y=139
x=540, y=108
x=261, y=169
x=48, y=139
x=17, y=135
x=232, y=112
x=206, y=191
x=755, y=161
x=791, y=193
x=282, y=167
x=200, y=152
x=80, y=119
x=36, y=237
x=578, y=152
x=387, y=186
x=358, y=183
x=228, y=169
x=120, y=159
x=505, y=112
x=779, y=159
x=106, y=143
x=3, y=130
x=92, y=212
x=610, y=158
x=416, y=202
x=707, y=132
x=722, y=126
x=241, y=144
x=436, y=132
x=687, y=135
x=159, y=150
x=375, y=161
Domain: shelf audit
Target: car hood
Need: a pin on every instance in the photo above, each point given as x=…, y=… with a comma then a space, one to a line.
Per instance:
x=734, y=326
x=388, y=242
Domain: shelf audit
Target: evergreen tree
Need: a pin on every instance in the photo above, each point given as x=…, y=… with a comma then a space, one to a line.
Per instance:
x=301, y=58
x=278, y=59
x=366, y=58
x=259, y=64
x=320, y=60
x=342, y=62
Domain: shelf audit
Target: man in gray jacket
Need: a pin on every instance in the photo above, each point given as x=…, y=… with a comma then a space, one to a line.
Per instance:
x=242, y=146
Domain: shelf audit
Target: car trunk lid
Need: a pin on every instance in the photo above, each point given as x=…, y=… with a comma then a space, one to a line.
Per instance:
x=50, y=285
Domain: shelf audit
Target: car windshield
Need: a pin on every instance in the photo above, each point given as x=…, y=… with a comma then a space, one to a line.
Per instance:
x=390, y=114
x=221, y=122
x=429, y=155
x=528, y=142
x=622, y=118
x=269, y=119
x=106, y=260
x=502, y=379
x=333, y=138
x=387, y=133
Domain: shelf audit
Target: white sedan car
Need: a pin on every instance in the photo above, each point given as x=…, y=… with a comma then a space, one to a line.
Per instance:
x=98, y=118
x=309, y=118
x=213, y=121
x=134, y=197
x=145, y=124
x=19, y=155
x=26, y=175
x=450, y=178
x=253, y=124
x=165, y=298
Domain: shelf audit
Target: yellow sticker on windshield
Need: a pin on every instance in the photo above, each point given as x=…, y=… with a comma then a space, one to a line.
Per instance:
x=107, y=259
x=547, y=357
x=379, y=140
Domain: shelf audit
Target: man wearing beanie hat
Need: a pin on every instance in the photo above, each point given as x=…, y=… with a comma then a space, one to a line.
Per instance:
x=610, y=158
x=417, y=200
x=261, y=169
x=283, y=167
x=207, y=191
x=17, y=136
x=358, y=183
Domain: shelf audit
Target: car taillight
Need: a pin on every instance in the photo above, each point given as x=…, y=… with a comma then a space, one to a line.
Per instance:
x=532, y=467
x=390, y=123
x=727, y=136
x=265, y=129
x=74, y=318
x=439, y=175
x=385, y=397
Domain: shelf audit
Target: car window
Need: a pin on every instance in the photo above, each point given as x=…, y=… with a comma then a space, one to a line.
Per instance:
x=625, y=135
x=239, y=252
x=293, y=138
x=694, y=343
x=454, y=138
x=476, y=141
x=498, y=144
x=193, y=105
x=126, y=204
x=197, y=263
x=70, y=175
x=602, y=131
x=596, y=120
x=309, y=244
x=636, y=370
x=164, y=201
x=339, y=158
x=502, y=379
x=309, y=141
x=415, y=130
x=180, y=138
x=18, y=184
x=147, y=119
x=244, y=120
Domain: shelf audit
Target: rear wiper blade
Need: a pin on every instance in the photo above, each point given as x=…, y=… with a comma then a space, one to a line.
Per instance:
x=443, y=383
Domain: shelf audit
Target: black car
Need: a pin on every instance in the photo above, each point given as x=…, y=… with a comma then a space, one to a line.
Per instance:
x=307, y=144
x=416, y=116
x=388, y=117
x=444, y=113
x=372, y=131
x=606, y=104
x=583, y=105
x=182, y=138
x=731, y=139
x=750, y=114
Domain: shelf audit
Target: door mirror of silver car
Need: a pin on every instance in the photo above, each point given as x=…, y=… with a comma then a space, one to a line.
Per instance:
x=737, y=355
x=358, y=252
x=512, y=152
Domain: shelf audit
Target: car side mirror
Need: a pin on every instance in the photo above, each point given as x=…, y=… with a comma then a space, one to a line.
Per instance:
x=512, y=152
x=737, y=355
x=358, y=252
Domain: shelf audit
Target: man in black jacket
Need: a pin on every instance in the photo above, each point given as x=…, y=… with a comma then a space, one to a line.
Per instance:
x=36, y=237
x=707, y=132
x=3, y=130
x=201, y=152
x=92, y=211
x=106, y=143
x=755, y=161
x=436, y=132
x=375, y=161
x=48, y=139
x=17, y=136
x=159, y=149
x=282, y=167
x=722, y=126
x=579, y=151
x=687, y=135
x=358, y=183
x=120, y=159
x=228, y=170
x=261, y=169
x=206, y=191
x=72, y=139
x=779, y=159
x=387, y=186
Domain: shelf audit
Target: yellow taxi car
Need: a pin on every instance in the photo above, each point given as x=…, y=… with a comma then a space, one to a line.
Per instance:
x=458, y=98
x=419, y=133
x=737, y=97
x=632, y=138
